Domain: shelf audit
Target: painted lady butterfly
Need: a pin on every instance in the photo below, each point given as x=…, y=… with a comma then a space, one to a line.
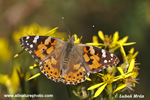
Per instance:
x=65, y=61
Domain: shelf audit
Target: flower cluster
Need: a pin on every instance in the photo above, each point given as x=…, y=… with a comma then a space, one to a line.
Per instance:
x=128, y=70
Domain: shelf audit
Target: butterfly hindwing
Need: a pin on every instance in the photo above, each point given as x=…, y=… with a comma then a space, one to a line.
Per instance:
x=75, y=71
x=50, y=67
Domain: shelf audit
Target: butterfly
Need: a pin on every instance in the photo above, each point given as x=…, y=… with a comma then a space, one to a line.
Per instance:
x=66, y=61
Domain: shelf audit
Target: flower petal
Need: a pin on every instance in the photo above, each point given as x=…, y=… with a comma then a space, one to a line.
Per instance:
x=51, y=31
x=36, y=65
x=131, y=66
x=136, y=53
x=120, y=70
x=128, y=74
x=95, y=86
x=131, y=51
x=16, y=55
x=98, y=92
x=77, y=40
x=123, y=53
x=88, y=79
x=95, y=39
x=123, y=40
x=115, y=36
x=101, y=35
x=95, y=44
x=135, y=74
x=117, y=78
x=126, y=44
x=120, y=87
x=36, y=75
x=5, y=80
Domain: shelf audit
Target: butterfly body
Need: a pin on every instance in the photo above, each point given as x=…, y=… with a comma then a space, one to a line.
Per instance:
x=68, y=49
x=65, y=61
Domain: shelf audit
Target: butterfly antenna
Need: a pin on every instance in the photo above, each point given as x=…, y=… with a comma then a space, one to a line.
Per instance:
x=86, y=30
x=66, y=25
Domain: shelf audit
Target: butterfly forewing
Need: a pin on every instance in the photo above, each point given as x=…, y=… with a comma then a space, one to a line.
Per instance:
x=40, y=46
x=96, y=59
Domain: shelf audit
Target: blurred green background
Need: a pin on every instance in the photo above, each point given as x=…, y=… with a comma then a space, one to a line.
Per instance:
x=129, y=17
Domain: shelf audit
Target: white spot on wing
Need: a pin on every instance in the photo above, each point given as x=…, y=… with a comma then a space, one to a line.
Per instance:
x=105, y=61
x=103, y=53
x=30, y=51
x=31, y=45
x=111, y=55
x=27, y=37
x=35, y=39
x=26, y=49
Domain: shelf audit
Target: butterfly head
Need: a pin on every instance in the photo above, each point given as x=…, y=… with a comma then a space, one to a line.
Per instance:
x=71, y=39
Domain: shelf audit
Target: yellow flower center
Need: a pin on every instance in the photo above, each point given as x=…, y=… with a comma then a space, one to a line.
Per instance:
x=107, y=40
x=108, y=78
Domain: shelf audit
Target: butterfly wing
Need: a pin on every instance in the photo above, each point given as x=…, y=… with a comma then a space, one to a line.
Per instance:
x=50, y=67
x=46, y=51
x=40, y=46
x=76, y=71
x=95, y=58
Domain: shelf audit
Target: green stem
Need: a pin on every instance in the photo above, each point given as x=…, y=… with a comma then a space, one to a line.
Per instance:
x=109, y=91
x=74, y=92
x=11, y=92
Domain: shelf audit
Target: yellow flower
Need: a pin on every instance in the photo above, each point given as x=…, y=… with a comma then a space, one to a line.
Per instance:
x=77, y=40
x=128, y=58
x=129, y=78
x=6, y=51
x=107, y=79
x=12, y=82
x=110, y=78
x=33, y=29
x=111, y=43
x=130, y=81
x=128, y=70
